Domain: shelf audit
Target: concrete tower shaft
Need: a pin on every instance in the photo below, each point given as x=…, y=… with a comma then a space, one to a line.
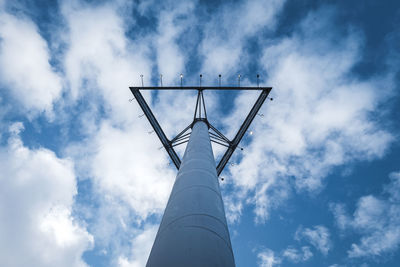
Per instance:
x=193, y=230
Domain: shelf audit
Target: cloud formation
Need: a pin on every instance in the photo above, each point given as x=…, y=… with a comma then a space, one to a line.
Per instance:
x=318, y=236
x=376, y=219
x=25, y=70
x=141, y=246
x=37, y=192
x=226, y=34
x=295, y=255
x=267, y=258
x=101, y=62
x=321, y=116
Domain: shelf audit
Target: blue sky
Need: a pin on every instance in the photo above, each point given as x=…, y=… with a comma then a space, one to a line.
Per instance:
x=84, y=183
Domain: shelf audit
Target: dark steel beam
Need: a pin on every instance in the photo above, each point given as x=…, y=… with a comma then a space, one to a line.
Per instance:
x=213, y=135
x=214, y=141
x=181, y=133
x=200, y=88
x=180, y=138
x=235, y=142
x=219, y=133
x=204, y=104
x=183, y=142
x=156, y=127
x=197, y=104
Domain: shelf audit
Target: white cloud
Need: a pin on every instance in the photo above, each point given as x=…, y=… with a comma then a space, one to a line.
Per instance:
x=37, y=192
x=125, y=164
x=321, y=118
x=229, y=29
x=16, y=128
x=25, y=66
x=101, y=62
x=376, y=219
x=295, y=255
x=318, y=236
x=267, y=258
x=141, y=246
x=131, y=176
x=131, y=179
x=170, y=57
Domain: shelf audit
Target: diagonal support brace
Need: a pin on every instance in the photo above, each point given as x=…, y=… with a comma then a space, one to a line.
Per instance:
x=156, y=127
x=235, y=142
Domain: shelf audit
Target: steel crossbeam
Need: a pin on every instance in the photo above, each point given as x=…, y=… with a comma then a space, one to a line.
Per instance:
x=201, y=114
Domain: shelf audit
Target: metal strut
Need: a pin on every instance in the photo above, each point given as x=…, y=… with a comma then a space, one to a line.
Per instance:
x=202, y=88
x=239, y=135
x=200, y=113
x=157, y=128
x=199, y=106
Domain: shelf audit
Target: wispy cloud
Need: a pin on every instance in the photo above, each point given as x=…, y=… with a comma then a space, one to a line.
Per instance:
x=295, y=255
x=100, y=62
x=267, y=258
x=322, y=116
x=226, y=34
x=376, y=219
x=25, y=69
x=318, y=236
x=36, y=197
x=141, y=246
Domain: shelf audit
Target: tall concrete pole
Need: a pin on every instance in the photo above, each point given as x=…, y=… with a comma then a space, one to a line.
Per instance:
x=193, y=230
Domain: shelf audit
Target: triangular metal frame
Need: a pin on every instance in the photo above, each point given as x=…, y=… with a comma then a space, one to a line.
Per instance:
x=201, y=114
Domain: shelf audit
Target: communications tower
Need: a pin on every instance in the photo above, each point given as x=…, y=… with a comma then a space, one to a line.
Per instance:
x=193, y=229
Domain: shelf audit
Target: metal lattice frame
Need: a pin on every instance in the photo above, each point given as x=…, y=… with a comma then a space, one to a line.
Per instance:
x=201, y=114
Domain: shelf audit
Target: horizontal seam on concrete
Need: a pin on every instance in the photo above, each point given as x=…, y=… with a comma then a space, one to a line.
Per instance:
x=173, y=194
x=215, y=233
x=195, y=214
x=182, y=172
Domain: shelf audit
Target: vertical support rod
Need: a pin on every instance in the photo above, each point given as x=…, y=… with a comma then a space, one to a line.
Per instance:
x=193, y=230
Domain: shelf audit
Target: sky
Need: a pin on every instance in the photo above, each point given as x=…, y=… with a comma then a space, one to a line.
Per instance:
x=83, y=181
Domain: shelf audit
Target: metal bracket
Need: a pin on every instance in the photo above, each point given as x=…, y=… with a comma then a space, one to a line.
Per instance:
x=215, y=135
